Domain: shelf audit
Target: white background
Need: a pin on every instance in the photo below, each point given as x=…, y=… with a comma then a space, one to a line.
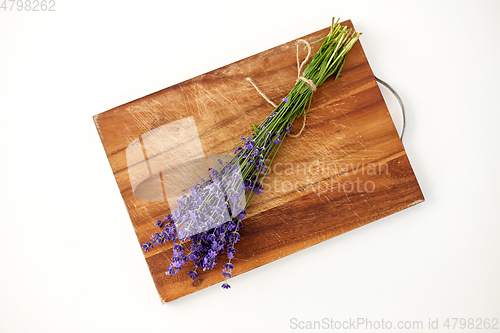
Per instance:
x=69, y=258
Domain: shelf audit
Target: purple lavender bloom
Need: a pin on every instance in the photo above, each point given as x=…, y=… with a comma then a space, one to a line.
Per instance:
x=170, y=270
x=228, y=266
x=231, y=249
x=242, y=214
x=178, y=248
x=249, y=144
x=147, y=246
x=193, y=274
x=225, y=285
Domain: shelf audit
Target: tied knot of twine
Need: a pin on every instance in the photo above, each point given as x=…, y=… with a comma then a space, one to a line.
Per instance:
x=299, y=78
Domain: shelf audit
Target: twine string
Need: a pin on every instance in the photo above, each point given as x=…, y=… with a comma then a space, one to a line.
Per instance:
x=300, y=65
x=313, y=88
x=260, y=92
x=306, y=80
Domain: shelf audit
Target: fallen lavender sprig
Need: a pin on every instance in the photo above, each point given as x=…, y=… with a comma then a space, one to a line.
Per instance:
x=218, y=198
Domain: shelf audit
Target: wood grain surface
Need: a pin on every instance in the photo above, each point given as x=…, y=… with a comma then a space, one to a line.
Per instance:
x=347, y=169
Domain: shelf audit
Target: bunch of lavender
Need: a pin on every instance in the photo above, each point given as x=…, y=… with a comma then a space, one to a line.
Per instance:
x=197, y=221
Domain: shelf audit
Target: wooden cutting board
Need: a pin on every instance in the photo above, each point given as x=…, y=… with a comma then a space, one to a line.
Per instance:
x=347, y=169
